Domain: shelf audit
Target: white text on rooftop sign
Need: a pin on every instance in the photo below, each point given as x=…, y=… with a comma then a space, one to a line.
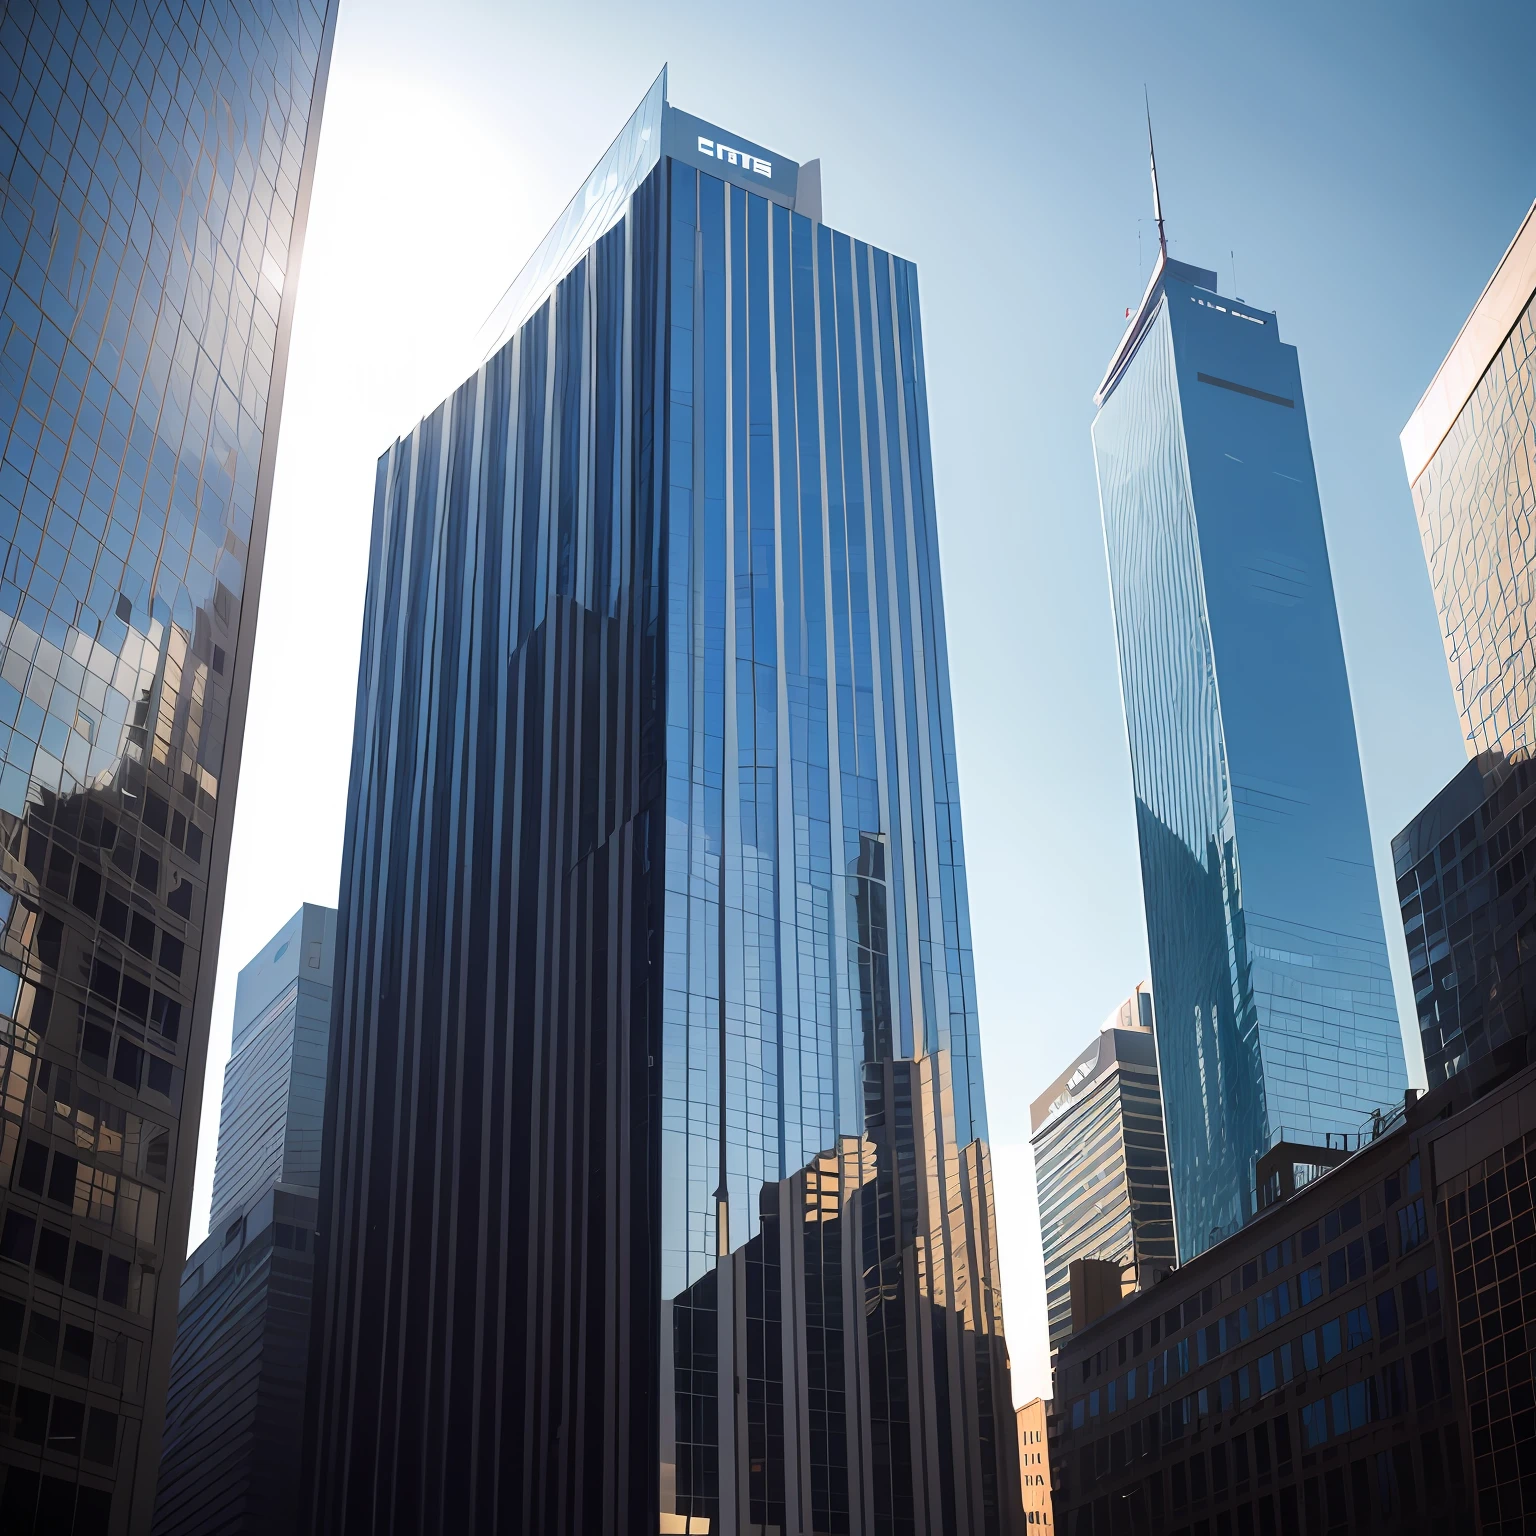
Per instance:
x=734, y=156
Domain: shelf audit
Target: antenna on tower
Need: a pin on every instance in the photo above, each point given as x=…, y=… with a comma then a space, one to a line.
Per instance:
x=1157, y=202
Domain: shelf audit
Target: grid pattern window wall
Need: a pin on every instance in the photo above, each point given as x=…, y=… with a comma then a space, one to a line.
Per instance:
x=1476, y=502
x=1468, y=904
x=153, y=182
x=1488, y=1216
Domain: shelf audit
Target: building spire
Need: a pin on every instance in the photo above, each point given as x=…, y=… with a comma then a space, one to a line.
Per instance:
x=1157, y=202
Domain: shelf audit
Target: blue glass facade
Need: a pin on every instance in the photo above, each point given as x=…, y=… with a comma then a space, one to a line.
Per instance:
x=654, y=913
x=1275, y=1008
x=155, y=162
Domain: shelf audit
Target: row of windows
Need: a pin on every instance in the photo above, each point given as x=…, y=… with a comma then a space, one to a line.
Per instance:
x=54, y=1343
x=1307, y=1352
x=1345, y=1265
x=58, y=1422
x=88, y=1270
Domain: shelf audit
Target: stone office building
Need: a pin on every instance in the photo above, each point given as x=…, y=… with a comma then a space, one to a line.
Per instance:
x=1307, y=1375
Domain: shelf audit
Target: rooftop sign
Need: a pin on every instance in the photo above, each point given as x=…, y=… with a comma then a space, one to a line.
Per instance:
x=729, y=156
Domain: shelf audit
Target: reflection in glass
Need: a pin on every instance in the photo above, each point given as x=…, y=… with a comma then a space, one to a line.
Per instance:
x=154, y=175
x=1275, y=1010
x=659, y=1151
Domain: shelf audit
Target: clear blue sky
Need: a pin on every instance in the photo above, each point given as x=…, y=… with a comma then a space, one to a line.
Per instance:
x=1362, y=166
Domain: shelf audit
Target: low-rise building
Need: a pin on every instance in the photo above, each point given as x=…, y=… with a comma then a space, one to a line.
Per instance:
x=1311, y=1373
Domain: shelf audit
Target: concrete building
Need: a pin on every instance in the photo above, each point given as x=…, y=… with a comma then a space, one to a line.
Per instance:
x=1101, y=1164
x=1035, y=1464
x=1354, y=1359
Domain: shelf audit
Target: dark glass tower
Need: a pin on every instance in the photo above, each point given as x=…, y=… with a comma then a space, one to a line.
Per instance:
x=235, y=1410
x=155, y=164
x=1275, y=1012
x=657, y=1191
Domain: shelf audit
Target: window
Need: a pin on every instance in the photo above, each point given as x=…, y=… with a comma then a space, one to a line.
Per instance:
x=1394, y=1388
x=1282, y=1427
x=1412, y=1227
x=11, y=1314
x=79, y=1344
x=1413, y=1299
x=1311, y=1284
x=1314, y=1423
x=1423, y=1381
x=1356, y=1252
x=1386, y=1313
x=61, y=1179
x=1378, y=1241
x=34, y=1168
x=1359, y=1326
x=1309, y=1350
x=115, y=1291
x=101, y=1436
x=1267, y=1381
x=1333, y=1345
x=129, y=1064
x=42, y=1339
x=52, y=1254
x=85, y=1272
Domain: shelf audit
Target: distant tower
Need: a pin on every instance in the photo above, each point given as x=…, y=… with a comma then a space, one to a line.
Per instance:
x=236, y=1403
x=1275, y=1007
x=1101, y=1162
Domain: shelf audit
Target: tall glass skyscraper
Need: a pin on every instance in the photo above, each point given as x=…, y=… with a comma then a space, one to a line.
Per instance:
x=1275, y=1009
x=155, y=165
x=657, y=1194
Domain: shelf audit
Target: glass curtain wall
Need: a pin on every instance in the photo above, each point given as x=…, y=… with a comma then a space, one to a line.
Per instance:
x=655, y=1070
x=823, y=1155
x=155, y=163
x=1276, y=1017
